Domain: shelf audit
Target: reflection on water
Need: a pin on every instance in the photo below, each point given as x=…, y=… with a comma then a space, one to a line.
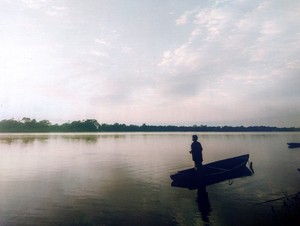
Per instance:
x=203, y=203
x=123, y=178
x=22, y=138
x=32, y=137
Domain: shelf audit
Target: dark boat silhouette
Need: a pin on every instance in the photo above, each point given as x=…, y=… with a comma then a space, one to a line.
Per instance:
x=293, y=145
x=213, y=173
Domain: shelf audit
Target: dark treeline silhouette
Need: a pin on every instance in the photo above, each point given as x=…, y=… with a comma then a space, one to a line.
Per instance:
x=92, y=125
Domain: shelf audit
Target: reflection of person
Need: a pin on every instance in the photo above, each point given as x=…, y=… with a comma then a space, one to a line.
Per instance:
x=203, y=204
x=196, y=151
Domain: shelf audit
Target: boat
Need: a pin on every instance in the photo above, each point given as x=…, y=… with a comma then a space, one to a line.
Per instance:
x=213, y=172
x=293, y=145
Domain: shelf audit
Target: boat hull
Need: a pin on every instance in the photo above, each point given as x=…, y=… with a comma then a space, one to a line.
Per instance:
x=212, y=173
x=293, y=145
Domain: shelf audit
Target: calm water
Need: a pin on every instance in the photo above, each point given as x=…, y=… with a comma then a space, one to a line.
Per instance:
x=123, y=179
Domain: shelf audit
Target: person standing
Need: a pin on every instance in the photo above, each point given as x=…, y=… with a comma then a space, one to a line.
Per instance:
x=196, y=151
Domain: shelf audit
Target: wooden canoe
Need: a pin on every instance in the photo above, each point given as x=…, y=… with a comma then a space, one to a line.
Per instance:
x=213, y=172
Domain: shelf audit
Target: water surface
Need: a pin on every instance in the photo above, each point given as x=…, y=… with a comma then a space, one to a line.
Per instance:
x=123, y=178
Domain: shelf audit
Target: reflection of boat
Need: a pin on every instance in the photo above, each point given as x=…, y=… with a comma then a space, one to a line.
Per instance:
x=293, y=145
x=212, y=173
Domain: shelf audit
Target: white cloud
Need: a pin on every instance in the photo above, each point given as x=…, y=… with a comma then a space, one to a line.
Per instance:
x=247, y=50
x=182, y=57
x=35, y=4
x=102, y=42
x=184, y=18
x=126, y=49
x=56, y=11
x=270, y=28
x=97, y=53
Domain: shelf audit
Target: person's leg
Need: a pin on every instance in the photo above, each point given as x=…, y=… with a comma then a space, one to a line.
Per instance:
x=200, y=181
x=199, y=168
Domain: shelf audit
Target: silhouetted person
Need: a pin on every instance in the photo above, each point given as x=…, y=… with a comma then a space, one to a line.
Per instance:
x=197, y=153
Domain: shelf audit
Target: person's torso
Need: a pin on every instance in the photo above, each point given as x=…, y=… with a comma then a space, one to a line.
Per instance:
x=196, y=151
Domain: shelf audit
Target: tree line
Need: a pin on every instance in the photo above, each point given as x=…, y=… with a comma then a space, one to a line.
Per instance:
x=92, y=125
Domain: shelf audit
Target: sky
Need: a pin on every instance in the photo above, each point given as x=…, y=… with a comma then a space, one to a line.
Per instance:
x=171, y=62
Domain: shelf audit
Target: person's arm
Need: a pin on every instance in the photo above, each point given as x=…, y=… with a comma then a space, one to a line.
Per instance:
x=191, y=151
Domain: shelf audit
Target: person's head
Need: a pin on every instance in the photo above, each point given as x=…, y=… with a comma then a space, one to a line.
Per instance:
x=195, y=137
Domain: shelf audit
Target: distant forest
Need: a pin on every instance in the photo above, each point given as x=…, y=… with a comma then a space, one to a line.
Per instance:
x=92, y=125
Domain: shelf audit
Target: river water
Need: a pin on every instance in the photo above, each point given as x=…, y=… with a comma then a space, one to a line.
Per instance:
x=123, y=179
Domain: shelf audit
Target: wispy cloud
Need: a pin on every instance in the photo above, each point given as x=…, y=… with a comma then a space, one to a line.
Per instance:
x=246, y=49
x=35, y=4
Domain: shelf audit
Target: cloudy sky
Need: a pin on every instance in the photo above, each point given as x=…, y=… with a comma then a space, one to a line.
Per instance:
x=177, y=62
